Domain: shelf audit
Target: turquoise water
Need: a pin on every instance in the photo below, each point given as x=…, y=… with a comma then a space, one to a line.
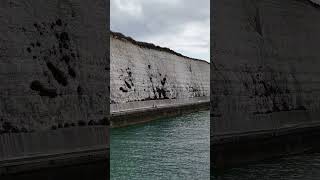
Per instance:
x=171, y=148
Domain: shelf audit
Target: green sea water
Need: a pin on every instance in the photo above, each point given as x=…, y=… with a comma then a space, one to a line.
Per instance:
x=169, y=148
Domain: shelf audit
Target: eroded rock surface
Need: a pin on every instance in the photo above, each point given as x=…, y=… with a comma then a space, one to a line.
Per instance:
x=53, y=57
x=145, y=72
x=265, y=73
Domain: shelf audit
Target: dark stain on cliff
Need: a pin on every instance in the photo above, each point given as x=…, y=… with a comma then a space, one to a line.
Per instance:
x=7, y=126
x=127, y=84
x=37, y=86
x=129, y=72
x=92, y=123
x=81, y=123
x=190, y=69
x=66, y=59
x=163, y=81
x=123, y=90
x=58, y=75
x=104, y=121
x=301, y=108
x=161, y=93
x=65, y=46
x=66, y=125
x=64, y=37
x=71, y=72
x=59, y=22
x=79, y=90
x=269, y=86
x=60, y=125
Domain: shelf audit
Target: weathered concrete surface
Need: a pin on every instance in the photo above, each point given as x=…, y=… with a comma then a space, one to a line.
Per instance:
x=147, y=76
x=54, y=75
x=265, y=67
x=236, y=151
x=149, y=110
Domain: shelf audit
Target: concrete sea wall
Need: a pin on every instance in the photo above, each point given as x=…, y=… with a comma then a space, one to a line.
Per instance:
x=145, y=76
x=53, y=79
x=265, y=70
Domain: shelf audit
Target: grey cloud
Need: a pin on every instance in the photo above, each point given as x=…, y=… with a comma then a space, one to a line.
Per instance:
x=182, y=25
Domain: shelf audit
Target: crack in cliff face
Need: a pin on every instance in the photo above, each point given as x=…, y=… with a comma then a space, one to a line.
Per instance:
x=258, y=25
x=254, y=16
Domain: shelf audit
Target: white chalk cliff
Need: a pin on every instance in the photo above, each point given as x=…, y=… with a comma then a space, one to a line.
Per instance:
x=143, y=72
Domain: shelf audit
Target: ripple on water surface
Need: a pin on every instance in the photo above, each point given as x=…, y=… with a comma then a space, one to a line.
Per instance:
x=170, y=148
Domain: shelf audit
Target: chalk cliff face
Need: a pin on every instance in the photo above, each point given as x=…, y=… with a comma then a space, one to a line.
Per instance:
x=265, y=70
x=53, y=77
x=145, y=72
x=53, y=56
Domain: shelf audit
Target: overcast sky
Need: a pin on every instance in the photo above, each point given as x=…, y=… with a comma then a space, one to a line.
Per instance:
x=181, y=25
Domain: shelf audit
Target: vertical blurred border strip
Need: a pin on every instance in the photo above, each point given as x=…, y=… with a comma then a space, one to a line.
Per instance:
x=108, y=80
x=54, y=85
x=211, y=78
